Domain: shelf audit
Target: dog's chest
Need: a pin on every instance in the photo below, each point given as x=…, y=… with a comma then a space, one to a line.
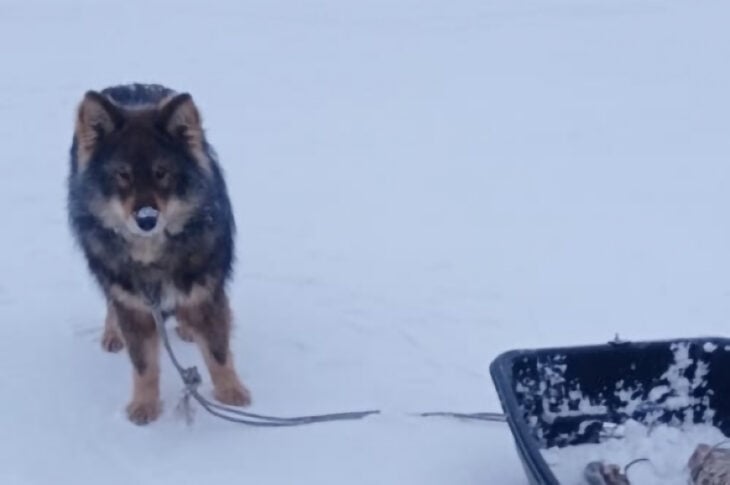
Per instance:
x=170, y=297
x=154, y=272
x=147, y=250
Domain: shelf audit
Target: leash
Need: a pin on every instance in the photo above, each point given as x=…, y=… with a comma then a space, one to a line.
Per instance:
x=192, y=380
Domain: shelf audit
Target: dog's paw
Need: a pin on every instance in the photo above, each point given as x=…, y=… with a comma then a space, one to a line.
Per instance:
x=111, y=341
x=185, y=333
x=143, y=412
x=233, y=395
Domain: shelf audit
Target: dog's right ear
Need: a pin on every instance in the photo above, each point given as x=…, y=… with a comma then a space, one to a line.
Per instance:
x=97, y=118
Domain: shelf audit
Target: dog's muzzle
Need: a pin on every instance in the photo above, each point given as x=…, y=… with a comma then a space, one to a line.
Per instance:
x=146, y=218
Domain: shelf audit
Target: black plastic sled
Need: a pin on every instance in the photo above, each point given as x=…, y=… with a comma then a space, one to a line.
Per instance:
x=568, y=396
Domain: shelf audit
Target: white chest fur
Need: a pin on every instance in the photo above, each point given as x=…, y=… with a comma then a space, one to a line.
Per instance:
x=147, y=249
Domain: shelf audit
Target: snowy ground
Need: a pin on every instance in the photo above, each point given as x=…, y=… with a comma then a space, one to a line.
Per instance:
x=419, y=186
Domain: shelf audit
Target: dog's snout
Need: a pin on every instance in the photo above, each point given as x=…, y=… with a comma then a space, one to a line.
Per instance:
x=146, y=218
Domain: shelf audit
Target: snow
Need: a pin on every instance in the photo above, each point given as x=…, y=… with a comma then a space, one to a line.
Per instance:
x=667, y=449
x=419, y=186
x=709, y=347
x=147, y=212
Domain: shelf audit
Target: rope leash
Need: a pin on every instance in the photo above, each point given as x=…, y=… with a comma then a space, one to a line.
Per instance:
x=709, y=468
x=192, y=380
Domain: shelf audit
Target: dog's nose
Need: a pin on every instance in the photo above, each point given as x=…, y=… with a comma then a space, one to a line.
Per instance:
x=146, y=218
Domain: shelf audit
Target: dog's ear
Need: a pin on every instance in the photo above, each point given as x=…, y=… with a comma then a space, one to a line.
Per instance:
x=180, y=118
x=97, y=117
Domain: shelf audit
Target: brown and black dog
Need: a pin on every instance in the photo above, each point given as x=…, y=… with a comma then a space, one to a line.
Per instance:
x=148, y=204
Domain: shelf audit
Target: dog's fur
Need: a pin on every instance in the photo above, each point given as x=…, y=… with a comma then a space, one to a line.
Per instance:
x=141, y=146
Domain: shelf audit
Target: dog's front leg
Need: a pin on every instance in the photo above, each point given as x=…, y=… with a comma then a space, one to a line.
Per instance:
x=210, y=322
x=111, y=340
x=140, y=336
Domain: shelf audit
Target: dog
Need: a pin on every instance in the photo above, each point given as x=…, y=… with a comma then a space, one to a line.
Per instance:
x=149, y=207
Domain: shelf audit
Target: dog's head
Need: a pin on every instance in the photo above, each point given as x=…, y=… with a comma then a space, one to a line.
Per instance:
x=144, y=167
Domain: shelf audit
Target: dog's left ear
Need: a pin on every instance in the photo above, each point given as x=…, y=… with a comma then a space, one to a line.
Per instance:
x=97, y=117
x=180, y=118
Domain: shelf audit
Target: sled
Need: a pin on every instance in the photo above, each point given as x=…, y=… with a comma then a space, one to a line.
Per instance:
x=575, y=395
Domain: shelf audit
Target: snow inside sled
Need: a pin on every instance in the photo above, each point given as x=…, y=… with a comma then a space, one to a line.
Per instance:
x=571, y=396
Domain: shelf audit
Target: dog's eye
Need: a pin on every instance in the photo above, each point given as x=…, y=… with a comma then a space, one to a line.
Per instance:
x=123, y=177
x=160, y=174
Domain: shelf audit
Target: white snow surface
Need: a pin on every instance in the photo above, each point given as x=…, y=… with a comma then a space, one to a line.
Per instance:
x=667, y=449
x=419, y=186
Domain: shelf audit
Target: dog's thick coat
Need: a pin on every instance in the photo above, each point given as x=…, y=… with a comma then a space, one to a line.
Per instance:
x=148, y=205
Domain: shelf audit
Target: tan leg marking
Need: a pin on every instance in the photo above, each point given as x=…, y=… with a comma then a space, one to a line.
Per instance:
x=111, y=339
x=140, y=335
x=210, y=321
